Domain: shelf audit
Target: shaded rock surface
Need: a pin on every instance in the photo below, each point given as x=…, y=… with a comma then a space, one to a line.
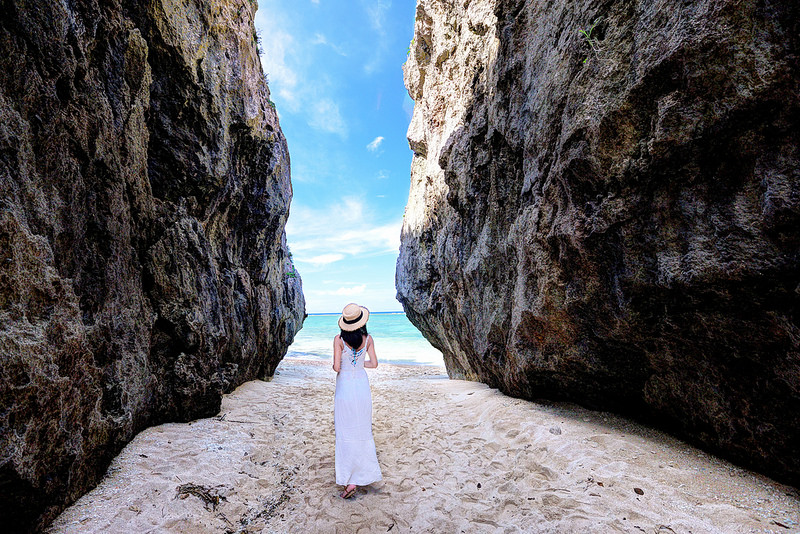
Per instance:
x=614, y=219
x=144, y=189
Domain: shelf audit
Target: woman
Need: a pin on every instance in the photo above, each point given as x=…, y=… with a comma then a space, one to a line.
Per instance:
x=356, y=461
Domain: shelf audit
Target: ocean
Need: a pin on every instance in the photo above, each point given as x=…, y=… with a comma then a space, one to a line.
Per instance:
x=396, y=339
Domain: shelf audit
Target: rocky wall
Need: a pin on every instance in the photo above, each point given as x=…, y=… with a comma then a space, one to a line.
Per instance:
x=144, y=189
x=612, y=216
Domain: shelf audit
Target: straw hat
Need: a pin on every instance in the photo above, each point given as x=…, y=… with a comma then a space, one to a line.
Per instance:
x=353, y=317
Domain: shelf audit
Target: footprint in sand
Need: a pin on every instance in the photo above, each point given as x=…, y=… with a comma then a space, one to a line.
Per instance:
x=524, y=484
x=542, y=472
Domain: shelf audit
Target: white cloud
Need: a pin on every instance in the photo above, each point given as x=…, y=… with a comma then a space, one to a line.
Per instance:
x=376, y=14
x=383, y=174
x=320, y=39
x=324, y=259
x=326, y=117
x=375, y=144
x=288, y=59
x=275, y=44
x=344, y=290
x=319, y=237
x=355, y=290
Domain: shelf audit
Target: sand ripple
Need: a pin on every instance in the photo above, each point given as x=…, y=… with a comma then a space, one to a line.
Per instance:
x=456, y=457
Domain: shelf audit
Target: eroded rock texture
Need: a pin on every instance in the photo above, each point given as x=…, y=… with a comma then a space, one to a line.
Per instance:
x=617, y=222
x=144, y=188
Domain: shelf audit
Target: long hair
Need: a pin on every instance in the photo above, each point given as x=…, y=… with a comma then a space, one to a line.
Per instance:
x=354, y=338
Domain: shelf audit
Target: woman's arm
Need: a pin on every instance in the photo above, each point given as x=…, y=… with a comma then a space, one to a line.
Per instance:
x=337, y=353
x=372, y=363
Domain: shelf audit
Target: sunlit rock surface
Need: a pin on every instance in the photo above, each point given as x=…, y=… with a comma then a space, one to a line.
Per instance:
x=613, y=217
x=144, y=189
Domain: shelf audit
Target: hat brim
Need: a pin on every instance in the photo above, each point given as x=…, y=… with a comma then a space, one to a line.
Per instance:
x=355, y=326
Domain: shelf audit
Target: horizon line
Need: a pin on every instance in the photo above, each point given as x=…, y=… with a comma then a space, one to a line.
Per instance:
x=339, y=313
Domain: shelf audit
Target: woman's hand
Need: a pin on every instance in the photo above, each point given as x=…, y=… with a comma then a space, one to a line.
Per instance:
x=372, y=363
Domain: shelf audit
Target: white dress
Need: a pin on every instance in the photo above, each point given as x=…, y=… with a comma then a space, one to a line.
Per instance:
x=356, y=461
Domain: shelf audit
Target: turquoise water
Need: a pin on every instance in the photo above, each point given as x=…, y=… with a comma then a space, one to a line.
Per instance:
x=396, y=340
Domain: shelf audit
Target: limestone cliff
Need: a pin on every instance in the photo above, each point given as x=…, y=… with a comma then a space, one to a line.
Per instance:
x=144, y=189
x=613, y=216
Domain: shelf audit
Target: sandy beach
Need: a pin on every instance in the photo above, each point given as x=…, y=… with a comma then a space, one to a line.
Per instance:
x=456, y=457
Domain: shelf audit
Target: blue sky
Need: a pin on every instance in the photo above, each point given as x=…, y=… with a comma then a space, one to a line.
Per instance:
x=335, y=74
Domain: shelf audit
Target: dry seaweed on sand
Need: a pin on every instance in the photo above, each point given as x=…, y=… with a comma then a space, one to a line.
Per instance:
x=209, y=496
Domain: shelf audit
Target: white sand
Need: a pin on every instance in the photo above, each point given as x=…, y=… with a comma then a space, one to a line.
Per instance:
x=456, y=457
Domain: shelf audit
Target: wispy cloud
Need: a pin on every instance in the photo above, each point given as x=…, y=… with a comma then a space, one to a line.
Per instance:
x=276, y=45
x=375, y=144
x=383, y=174
x=325, y=259
x=288, y=60
x=319, y=237
x=320, y=39
x=344, y=290
x=326, y=117
x=376, y=11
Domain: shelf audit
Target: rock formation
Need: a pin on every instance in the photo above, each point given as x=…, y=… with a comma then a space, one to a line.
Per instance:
x=144, y=188
x=613, y=216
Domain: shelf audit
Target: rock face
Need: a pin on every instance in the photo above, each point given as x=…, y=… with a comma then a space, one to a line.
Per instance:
x=144, y=188
x=613, y=217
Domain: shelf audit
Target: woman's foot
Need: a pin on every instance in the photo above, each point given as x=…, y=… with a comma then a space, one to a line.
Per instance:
x=349, y=491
